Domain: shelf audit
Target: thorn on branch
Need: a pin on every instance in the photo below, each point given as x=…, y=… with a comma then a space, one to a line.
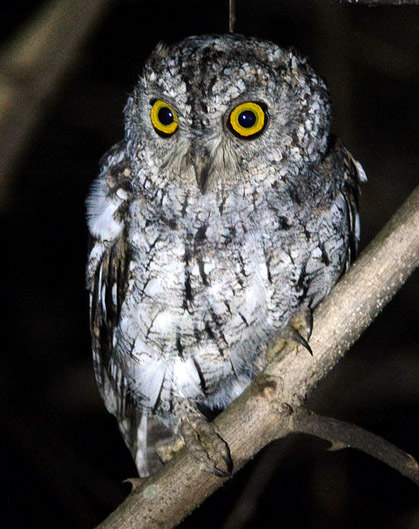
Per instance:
x=135, y=483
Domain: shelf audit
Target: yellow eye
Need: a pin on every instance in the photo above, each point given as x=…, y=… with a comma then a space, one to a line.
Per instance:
x=164, y=118
x=247, y=119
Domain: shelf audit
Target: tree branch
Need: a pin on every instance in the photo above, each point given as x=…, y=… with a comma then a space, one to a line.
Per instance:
x=265, y=410
x=32, y=65
x=342, y=434
x=375, y=2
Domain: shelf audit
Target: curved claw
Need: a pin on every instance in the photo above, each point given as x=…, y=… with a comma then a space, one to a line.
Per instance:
x=301, y=340
x=298, y=330
x=228, y=462
x=206, y=445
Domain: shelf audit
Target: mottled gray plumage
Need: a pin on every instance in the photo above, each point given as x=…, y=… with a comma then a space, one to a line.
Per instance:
x=206, y=243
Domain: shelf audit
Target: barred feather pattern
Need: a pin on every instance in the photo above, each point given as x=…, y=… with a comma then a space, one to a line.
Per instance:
x=188, y=285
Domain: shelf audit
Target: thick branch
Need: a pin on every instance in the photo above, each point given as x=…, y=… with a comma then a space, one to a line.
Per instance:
x=264, y=411
x=32, y=64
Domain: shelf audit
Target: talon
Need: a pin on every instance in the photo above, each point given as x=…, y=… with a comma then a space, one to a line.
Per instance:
x=298, y=330
x=301, y=340
x=224, y=473
x=167, y=449
x=207, y=446
x=307, y=316
x=302, y=322
x=221, y=451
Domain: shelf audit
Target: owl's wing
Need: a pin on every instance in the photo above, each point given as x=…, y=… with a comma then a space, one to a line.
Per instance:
x=107, y=280
x=353, y=176
x=107, y=293
x=337, y=228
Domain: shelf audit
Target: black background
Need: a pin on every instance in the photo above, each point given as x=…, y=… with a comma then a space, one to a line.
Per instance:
x=63, y=457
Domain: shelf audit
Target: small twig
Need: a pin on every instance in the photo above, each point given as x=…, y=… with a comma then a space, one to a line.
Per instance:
x=346, y=435
x=231, y=15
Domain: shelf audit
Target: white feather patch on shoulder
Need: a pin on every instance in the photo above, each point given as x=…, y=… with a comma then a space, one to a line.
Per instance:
x=101, y=212
x=361, y=173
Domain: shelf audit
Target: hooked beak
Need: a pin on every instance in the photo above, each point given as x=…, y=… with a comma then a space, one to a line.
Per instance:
x=201, y=163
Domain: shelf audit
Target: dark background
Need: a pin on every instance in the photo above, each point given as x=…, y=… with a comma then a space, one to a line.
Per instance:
x=63, y=457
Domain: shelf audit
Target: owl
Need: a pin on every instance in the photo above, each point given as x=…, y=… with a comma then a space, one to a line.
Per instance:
x=226, y=212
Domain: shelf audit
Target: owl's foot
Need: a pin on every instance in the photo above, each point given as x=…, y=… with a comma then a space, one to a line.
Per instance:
x=167, y=449
x=203, y=443
x=206, y=445
x=300, y=328
x=298, y=332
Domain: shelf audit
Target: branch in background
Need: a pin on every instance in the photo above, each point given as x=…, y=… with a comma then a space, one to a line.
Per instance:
x=31, y=67
x=376, y=2
x=265, y=410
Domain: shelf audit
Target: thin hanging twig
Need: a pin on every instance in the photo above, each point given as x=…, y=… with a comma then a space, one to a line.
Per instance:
x=231, y=15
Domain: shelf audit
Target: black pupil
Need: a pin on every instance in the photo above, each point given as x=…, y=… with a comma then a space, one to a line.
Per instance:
x=165, y=116
x=247, y=119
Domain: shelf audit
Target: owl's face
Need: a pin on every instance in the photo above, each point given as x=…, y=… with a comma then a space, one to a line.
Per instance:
x=216, y=112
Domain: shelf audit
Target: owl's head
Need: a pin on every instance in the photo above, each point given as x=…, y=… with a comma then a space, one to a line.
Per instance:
x=216, y=112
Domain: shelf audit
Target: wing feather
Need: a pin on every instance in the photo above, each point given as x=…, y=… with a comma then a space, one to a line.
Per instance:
x=341, y=160
x=107, y=280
